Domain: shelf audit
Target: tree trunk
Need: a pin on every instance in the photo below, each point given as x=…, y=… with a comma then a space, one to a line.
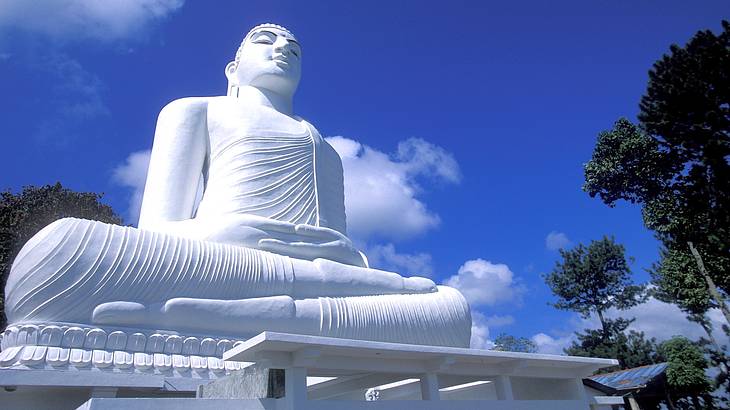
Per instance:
x=603, y=323
x=714, y=293
x=709, y=401
x=704, y=321
x=668, y=397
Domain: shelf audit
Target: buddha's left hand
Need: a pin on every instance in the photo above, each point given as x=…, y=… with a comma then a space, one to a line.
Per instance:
x=320, y=242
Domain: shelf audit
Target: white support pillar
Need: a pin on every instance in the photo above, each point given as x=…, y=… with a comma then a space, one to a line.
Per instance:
x=430, y=387
x=582, y=394
x=633, y=404
x=295, y=386
x=503, y=386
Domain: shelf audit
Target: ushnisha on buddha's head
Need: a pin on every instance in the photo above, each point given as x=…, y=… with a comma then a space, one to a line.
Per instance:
x=269, y=58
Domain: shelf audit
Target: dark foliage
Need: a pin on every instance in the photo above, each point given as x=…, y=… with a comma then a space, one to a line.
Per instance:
x=630, y=348
x=686, y=379
x=676, y=164
x=593, y=279
x=509, y=343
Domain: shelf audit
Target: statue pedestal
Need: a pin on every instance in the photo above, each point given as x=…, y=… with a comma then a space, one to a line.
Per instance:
x=322, y=373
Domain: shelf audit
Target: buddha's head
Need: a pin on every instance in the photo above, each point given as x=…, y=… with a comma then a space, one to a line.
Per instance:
x=270, y=58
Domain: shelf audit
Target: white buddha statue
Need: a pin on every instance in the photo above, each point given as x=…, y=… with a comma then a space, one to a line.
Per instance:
x=270, y=181
x=265, y=248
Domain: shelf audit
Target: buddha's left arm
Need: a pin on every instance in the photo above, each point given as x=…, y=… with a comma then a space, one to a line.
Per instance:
x=176, y=163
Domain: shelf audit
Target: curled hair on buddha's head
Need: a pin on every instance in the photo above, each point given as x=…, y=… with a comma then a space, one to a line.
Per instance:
x=255, y=29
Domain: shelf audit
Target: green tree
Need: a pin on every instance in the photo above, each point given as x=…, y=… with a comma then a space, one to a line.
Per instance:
x=23, y=214
x=509, y=343
x=678, y=280
x=675, y=164
x=593, y=279
x=686, y=376
x=631, y=348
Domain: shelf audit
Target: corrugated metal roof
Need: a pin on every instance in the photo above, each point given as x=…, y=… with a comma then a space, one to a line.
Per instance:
x=630, y=378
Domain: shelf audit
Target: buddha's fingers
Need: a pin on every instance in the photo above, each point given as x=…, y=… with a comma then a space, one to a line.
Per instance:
x=300, y=250
x=273, y=225
x=319, y=232
x=336, y=251
x=418, y=284
x=324, y=277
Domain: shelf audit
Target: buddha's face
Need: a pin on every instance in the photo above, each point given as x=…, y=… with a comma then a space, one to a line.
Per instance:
x=269, y=58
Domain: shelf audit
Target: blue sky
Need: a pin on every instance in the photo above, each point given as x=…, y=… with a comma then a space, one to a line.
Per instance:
x=479, y=115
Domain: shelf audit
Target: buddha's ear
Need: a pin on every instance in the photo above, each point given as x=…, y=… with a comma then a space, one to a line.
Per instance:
x=232, y=79
x=231, y=72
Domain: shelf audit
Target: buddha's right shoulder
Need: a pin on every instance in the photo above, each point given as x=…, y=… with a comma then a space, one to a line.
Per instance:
x=188, y=106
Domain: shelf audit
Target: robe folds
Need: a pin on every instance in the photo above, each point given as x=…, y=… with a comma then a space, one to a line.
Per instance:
x=78, y=271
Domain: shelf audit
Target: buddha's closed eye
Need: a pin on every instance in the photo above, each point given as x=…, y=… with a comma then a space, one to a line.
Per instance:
x=263, y=38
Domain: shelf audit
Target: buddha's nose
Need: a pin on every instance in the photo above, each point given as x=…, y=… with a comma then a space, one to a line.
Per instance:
x=282, y=45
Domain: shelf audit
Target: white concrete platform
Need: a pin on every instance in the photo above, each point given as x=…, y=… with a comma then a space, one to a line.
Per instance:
x=333, y=356
x=280, y=404
x=331, y=373
x=456, y=377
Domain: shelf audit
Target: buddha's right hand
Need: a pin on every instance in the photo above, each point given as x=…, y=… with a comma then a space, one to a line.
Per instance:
x=316, y=242
x=299, y=241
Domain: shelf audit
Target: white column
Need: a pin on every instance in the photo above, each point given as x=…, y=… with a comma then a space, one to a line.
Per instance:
x=503, y=385
x=430, y=387
x=295, y=386
x=581, y=392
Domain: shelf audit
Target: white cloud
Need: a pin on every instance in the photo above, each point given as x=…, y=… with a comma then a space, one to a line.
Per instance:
x=74, y=97
x=660, y=320
x=485, y=283
x=422, y=157
x=664, y=320
x=551, y=345
x=103, y=20
x=498, y=320
x=81, y=89
x=655, y=318
x=556, y=240
x=133, y=174
x=386, y=257
x=479, y=332
x=480, y=325
x=381, y=190
x=345, y=147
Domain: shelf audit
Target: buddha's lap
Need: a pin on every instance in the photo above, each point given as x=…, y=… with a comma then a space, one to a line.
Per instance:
x=91, y=263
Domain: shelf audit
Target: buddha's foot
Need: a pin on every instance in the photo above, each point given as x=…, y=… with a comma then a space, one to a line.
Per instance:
x=437, y=318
